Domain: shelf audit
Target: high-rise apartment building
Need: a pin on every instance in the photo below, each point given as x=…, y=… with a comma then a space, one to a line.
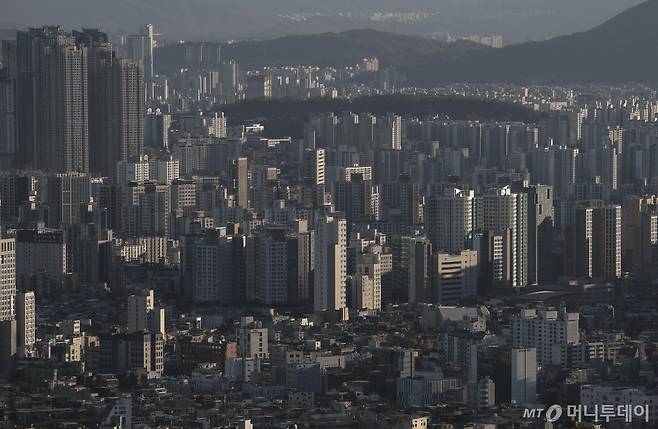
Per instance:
x=271, y=262
x=357, y=198
x=40, y=251
x=15, y=190
x=140, y=48
x=145, y=209
x=594, y=245
x=413, y=269
x=501, y=210
x=313, y=177
x=258, y=86
x=301, y=261
x=207, y=267
x=118, y=128
x=389, y=132
x=53, y=117
x=367, y=286
x=7, y=278
x=639, y=232
x=25, y=323
x=116, y=104
x=242, y=182
x=66, y=192
x=330, y=263
x=156, y=129
x=540, y=224
x=8, y=122
x=230, y=79
x=449, y=220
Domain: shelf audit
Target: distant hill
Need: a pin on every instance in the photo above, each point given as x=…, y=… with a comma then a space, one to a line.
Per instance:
x=285, y=117
x=621, y=49
x=219, y=20
x=345, y=48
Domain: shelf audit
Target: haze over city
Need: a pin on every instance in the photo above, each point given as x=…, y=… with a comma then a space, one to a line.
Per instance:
x=303, y=214
x=219, y=20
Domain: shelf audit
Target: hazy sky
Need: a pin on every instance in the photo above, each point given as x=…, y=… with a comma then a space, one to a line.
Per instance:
x=517, y=20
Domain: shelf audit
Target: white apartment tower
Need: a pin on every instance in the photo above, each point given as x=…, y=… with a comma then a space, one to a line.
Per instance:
x=330, y=263
x=549, y=331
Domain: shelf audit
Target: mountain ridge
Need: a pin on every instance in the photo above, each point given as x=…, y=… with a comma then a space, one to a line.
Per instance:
x=621, y=49
x=221, y=20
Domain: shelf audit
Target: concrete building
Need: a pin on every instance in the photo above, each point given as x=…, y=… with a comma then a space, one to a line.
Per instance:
x=116, y=105
x=639, y=232
x=15, y=191
x=242, y=182
x=454, y=277
x=367, y=282
x=271, y=262
x=8, y=122
x=413, y=269
x=481, y=395
x=230, y=80
x=357, y=198
x=330, y=263
x=141, y=353
x=144, y=315
x=258, y=86
x=541, y=218
x=524, y=376
x=449, y=220
x=548, y=331
x=619, y=396
x=594, y=241
x=501, y=210
x=132, y=171
x=25, y=323
x=207, y=269
x=145, y=209
x=66, y=192
x=164, y=170
x=40, y=251
x=156, y=129
x=252, y=339
x=412, y=422
x=140, y=48
x=424, y=390
x=8, y=348
x=7, y=278
x=53, y=95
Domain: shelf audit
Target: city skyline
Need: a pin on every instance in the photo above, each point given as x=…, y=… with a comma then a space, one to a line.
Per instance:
x=350, y=230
